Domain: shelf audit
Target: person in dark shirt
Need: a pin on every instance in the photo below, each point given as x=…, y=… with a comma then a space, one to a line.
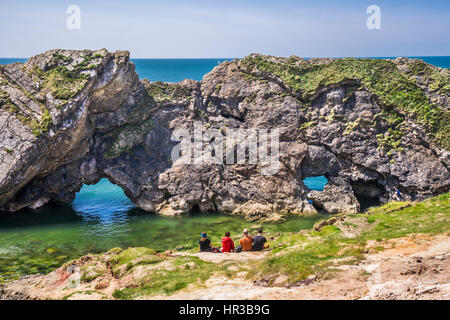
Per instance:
x=204, y=242
x=259, y=241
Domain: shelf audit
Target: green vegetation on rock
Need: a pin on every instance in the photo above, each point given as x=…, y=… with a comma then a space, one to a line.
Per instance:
x=186, y=270
x=438, y=81
x=59, y=58
x=391, y=139
x=36, y=126
x=61, y=82
x=126, y=137
x=395, y=91
x=161, y=91
x=307, y=125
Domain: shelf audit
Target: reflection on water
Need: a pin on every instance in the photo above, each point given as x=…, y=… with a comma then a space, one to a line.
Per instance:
x=100, y=218
x=104, y=209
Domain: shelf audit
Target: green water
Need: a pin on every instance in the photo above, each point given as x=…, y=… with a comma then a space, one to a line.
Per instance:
x=101, y=218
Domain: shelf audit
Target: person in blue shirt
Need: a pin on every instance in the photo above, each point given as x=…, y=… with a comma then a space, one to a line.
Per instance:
x=398, y=195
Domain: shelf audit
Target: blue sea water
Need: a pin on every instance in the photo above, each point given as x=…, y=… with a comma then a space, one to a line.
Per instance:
x=11, y=60
x=315, y=183
x=175, y=70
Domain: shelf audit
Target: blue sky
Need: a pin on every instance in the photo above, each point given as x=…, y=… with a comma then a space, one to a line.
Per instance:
x=197, y=29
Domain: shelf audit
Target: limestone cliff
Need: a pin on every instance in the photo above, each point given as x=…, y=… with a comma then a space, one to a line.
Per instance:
x=73, y=117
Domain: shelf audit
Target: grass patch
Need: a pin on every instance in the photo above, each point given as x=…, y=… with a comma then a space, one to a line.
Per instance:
x=187, y=270
x=129, y=255
x=317, y=252
x=126, y=260
x=437, y=80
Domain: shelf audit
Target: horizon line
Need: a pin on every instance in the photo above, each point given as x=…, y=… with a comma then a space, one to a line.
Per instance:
x=206, y=58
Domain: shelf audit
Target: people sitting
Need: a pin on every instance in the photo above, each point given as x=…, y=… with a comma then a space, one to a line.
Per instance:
x=227, y=243
x=246, y=242
x=259, y=241
x=204, y=242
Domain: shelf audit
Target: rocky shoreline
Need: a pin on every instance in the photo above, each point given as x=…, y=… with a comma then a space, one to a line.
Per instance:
x=368, y=125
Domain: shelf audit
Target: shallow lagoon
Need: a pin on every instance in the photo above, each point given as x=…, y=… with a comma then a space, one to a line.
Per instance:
x=100, y=218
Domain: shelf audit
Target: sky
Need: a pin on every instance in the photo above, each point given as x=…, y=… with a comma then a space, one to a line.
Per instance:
x=228, y=29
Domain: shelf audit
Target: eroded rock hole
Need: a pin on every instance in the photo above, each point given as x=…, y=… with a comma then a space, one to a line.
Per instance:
x=195, y=209
x=315, y=183
x=101, y=200
x=368, y=193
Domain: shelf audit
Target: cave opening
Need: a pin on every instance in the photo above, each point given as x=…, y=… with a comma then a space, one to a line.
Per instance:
x=195, y=210
x=101, y=200
x=316, y=183
x=368, y=193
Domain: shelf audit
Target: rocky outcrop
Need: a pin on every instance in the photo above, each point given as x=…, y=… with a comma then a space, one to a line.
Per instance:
x=73, y=117
x=336, y=197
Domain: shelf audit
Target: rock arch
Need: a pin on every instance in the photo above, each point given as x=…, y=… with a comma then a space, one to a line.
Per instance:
x=118, y=127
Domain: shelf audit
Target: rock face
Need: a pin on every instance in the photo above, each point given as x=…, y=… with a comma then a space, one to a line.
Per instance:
x=73, y=117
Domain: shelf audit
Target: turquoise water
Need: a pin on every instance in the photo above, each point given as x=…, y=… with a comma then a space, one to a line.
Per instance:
x=11, y=60
x=102, y=217
x=315, y=183
x=174, y=70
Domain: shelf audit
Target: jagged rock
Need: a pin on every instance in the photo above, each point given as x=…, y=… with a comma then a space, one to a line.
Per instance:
x=72, y=117
x=329, y=222
x=336, y=197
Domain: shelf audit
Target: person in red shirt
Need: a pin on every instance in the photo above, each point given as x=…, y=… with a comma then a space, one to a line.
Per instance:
x=227, y=243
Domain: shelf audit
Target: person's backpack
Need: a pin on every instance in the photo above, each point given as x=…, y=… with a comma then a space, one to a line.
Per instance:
x=238, y=249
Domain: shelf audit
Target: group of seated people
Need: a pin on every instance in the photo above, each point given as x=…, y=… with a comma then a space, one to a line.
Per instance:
x=247, y=243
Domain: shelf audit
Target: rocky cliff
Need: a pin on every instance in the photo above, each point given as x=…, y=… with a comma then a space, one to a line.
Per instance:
x=73, y=117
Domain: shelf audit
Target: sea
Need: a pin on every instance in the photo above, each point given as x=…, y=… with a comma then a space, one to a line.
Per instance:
x=102, y=217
